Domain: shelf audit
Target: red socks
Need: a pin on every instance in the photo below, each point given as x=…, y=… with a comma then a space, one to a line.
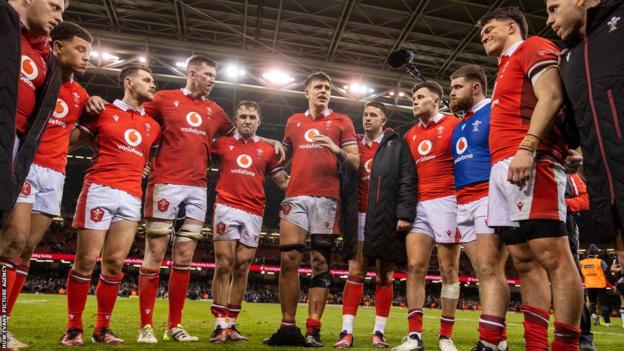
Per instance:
x=10, y=264
x=415, y=320
x=106, y=294
x=311, y=325
x=77, y=291
x=491, y=329
x=149, y=279
x=384, y=294
x=566, y=337
x=446, y=326
x=352, y=294
x=178, y=285
x=232, y=311
x=21, y=274
x=535, y=328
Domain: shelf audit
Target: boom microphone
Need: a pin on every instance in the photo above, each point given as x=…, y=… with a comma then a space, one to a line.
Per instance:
x=404, y=58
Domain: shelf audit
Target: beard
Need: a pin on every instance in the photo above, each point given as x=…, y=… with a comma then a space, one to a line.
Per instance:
x=461, y=104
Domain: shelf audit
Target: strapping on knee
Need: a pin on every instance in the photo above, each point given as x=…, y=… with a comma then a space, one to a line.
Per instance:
x=450, y=291
x=158, y=228
x=323, y=245
x=321, y=280
x=292, y=247
x=190, y=232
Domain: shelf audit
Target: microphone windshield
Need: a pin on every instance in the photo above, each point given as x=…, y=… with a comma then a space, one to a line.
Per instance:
x=400, y=58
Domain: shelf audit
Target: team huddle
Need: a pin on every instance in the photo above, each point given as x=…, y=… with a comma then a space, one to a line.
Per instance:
x=489, y=176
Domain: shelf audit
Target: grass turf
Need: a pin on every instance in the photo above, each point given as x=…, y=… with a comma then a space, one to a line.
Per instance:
x=40, y=320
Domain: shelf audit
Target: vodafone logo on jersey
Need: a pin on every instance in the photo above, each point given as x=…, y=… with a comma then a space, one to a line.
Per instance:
x=29, y=68
x=310, y=134
x=133, y=137
x=424, y=147
x=244, y=161
x=61, y=109
x=368, y=165
x=461, y=146
x=194, y=119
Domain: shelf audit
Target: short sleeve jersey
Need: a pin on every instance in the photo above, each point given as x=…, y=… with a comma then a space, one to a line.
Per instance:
x=243, y=167
x=124, y=139
x=33, y=70
x=188, y=128
x=513, y=99
x=314, y=168
x=367, y=149
x=52, y=151
x=430, y=146
x=471, y=153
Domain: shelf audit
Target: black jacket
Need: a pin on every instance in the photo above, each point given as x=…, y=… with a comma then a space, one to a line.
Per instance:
x=14, y=171
x=392, y=196
x=593, y=76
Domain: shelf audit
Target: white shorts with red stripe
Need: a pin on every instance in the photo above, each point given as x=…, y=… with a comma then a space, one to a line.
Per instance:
x=231, y=223
x=541, y=197
x=437, y=218
x=162, y=201
x=472, y=219
x=43, y=188
x=98, y=206
x=314, y=214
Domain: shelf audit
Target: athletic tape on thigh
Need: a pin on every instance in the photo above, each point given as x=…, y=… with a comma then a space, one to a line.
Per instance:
x=450, y=291
x=290, y=247
x=323, y=244
x=321, y=280
x=192, y=231
x=158, y=228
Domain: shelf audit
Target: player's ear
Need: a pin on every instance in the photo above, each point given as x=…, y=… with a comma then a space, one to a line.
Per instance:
x=57, y=46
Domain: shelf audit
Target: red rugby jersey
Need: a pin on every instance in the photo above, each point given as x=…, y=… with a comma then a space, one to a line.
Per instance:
x=242, y=170
x=367, y=150
x=430, y=146
x=52, y=151
x=188, y=128
x=33, y=70
x=124, y=140
x=314, y=168
x=513, y=99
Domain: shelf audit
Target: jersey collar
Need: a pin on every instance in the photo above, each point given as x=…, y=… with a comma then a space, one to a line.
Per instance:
x=434, y=119
x=510, y=50
x=237, y=136
x=324, y=113
x=188, y=93
x=123, y=106
x=377, y=140
x=480, y=105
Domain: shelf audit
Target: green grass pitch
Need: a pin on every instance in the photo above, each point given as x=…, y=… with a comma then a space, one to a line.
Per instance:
x=39, y=320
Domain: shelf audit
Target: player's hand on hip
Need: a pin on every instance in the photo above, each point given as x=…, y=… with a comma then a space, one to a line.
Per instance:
x=325, y=141
x=520, y=167
x=403, y=226
x=95, y=105
x=573, y=161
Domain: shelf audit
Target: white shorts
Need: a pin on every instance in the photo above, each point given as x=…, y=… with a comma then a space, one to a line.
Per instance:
x=361, y=226
x=314, y=214
x=43, y=188
x=231, y=223
x=162, y=201
x=542, y=197
x=472, y=220
x=437, y=218
x=98, y=206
